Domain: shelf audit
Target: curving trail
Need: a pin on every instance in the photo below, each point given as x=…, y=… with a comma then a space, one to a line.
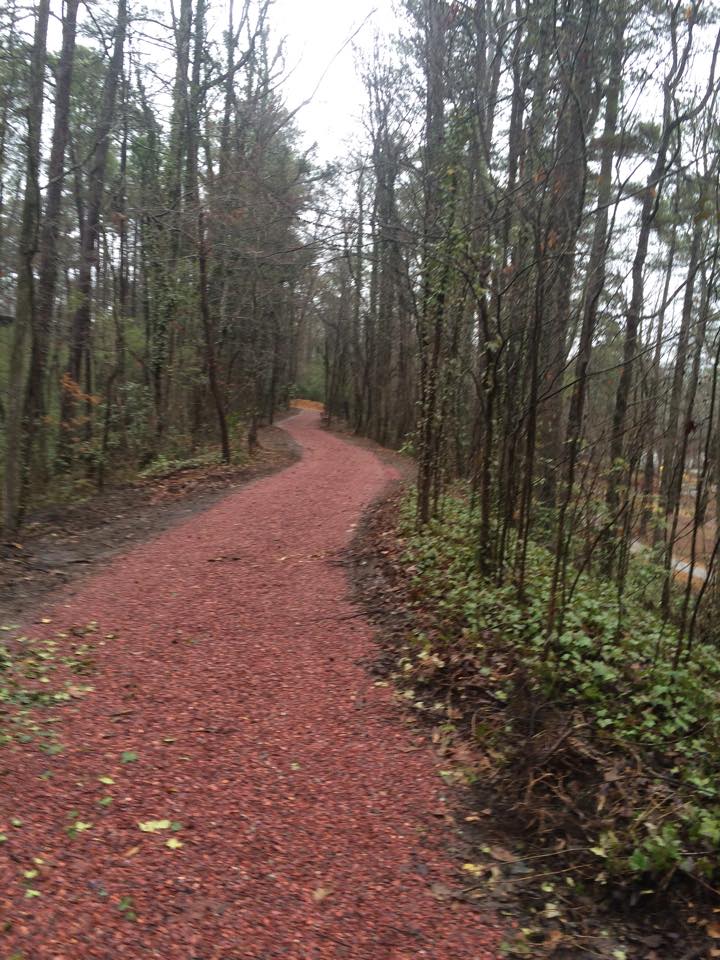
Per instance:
x=307, y=818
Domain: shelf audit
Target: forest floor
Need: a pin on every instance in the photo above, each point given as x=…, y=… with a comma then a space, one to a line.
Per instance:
x=198, y=764
x=522, y=871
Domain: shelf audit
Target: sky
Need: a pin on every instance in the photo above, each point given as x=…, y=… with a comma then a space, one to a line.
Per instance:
x=316, y=31
x=318, y=51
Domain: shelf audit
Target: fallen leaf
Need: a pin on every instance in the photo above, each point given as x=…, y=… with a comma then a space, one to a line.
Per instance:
x=442, y=891
x=154, y=826
x=503, y=855
x=553, y=940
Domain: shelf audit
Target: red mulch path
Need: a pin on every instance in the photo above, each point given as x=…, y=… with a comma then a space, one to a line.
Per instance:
x=309, y=825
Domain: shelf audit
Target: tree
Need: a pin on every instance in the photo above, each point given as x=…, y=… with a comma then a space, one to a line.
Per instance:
x=78, y=372
x=25, y=294
x=36, y=408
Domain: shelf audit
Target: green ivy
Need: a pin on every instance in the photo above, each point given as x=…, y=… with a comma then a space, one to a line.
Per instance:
x=613, y=665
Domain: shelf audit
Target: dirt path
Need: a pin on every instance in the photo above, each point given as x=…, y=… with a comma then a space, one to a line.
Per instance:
x=228, y=701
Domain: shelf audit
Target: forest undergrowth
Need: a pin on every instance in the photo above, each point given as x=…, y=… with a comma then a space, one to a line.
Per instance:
x=595, y=748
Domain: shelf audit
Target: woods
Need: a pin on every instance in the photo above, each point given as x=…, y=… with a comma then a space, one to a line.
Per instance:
x=154, y=253
x=510, y=274
x=539, y=203
x=515, y=275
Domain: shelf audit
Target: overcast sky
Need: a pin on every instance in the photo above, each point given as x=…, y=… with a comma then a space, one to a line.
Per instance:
x=316, y=33
x=316, y=30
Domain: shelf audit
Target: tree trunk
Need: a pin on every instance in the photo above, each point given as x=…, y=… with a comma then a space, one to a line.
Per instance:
x=432, y=311
x=594, y=286
x=673, y=443
x=81, y=321
x=25, y=291
x=47, y=268
x=193, y=196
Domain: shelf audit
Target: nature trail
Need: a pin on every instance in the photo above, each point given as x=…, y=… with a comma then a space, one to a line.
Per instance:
x=234, y=785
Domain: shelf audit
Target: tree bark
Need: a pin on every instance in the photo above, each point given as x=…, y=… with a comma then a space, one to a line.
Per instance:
x=193, y=197
x=47, y=265
x=81, y=322
x=25, y=290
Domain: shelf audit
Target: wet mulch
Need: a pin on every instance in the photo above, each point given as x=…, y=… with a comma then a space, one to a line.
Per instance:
x=63, y=543
x=224, y=780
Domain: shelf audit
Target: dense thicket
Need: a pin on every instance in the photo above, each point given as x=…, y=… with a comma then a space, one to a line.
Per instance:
x=528, y=287
x=154, y=265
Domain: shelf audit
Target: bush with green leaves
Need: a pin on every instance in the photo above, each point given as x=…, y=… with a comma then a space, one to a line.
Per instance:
x=611, y=663
x=312, y=385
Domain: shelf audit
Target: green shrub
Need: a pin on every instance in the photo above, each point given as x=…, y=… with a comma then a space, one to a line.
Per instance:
x=611, y=664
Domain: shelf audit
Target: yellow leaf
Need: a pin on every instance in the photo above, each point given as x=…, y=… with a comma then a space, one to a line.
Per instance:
x=321, y=894
x=154, y=826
